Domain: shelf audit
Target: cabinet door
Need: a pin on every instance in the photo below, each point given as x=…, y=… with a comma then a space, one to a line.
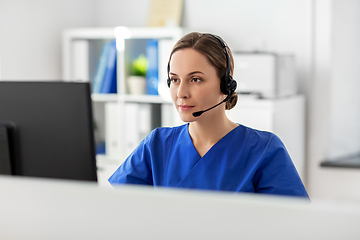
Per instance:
x=255, y=115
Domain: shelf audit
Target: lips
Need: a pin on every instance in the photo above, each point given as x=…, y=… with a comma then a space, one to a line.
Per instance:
x=185, y=107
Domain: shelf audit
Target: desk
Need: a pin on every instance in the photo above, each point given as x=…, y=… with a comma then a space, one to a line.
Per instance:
x=346, y=162
x=50, y=209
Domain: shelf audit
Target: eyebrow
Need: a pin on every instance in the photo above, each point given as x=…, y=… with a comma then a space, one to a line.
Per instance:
x=189, y=74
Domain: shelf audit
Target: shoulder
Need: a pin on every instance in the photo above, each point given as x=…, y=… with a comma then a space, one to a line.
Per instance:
x=259, y=143
x=257, y=136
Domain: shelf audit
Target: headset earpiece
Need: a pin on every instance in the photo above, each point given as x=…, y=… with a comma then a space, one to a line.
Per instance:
x=232, y=85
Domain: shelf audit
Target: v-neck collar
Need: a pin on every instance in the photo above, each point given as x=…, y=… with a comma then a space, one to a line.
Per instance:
x=213, y=146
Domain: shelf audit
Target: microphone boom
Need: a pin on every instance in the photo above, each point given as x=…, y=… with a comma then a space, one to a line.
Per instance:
x=197, y=114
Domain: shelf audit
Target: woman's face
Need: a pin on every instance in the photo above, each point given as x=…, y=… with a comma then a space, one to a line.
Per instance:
x=195, y=85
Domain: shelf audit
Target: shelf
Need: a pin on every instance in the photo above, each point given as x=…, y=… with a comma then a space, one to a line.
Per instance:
x=346, y=162
x=130, y=98
x=104, y=159
x=89, y=33
x=104, y=97
x=145, y=99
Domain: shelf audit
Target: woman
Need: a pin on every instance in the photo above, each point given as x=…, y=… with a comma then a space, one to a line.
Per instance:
x=210, y=151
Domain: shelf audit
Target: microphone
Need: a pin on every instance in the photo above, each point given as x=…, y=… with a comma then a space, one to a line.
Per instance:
x=197, y=114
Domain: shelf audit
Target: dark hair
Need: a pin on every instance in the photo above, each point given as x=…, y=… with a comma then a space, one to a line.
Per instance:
x=212, y=49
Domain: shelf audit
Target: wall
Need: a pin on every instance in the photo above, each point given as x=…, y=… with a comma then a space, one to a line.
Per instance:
x=334, y=128
x=345, y=97
x=30, y=35
x=121, y=13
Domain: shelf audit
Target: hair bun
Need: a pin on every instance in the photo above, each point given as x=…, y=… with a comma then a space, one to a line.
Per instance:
x=231, y=102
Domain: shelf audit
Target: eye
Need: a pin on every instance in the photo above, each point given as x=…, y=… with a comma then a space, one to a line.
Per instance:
x=196, y=80
x=174, y=80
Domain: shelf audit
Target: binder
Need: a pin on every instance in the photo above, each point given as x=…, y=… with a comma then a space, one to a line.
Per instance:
x=152, y=75
x=144, y=125
x=100, y=70
x=132, y=120
x=80, y=58
x=112, y=144
x=109, y=84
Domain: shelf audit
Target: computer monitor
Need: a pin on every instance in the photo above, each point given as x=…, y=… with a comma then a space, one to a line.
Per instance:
x=46, y=130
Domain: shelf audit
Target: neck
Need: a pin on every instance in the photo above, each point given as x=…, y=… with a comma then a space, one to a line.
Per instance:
x=211, y=128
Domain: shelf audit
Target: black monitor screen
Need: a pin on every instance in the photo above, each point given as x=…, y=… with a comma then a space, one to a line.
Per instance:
x=51, y=129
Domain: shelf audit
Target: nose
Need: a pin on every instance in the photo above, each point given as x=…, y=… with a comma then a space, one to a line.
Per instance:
x=183, y=90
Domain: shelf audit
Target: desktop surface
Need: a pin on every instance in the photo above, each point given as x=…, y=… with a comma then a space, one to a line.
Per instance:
x=62, y=209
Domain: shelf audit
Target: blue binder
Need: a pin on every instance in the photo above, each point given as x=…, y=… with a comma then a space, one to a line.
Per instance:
x=152, y=74
x=101, y=68
x=109, y=82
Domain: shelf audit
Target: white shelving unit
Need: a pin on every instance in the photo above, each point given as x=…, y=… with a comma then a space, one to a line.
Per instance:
x=81, y=50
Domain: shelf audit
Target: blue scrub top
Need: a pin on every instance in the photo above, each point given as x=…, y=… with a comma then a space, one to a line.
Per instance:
x=245, y=160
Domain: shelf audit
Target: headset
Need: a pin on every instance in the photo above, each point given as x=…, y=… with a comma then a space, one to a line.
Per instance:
x=227, y=84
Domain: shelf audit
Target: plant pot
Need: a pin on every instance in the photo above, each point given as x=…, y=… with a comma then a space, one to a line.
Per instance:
x=136, y=85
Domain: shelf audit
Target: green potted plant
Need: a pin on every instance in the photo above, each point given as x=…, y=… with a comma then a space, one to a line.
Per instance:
x=137, y=79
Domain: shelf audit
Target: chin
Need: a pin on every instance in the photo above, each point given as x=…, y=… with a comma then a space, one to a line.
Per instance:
x=187, y=117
